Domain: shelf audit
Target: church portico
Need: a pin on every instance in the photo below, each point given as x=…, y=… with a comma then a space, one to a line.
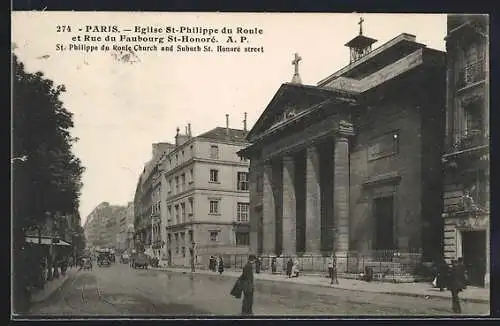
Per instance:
x=298, y=194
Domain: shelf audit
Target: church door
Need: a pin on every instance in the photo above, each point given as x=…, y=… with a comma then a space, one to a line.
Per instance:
x=384, y=223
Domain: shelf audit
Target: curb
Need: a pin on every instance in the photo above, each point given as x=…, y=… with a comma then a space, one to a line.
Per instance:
x=50, y=294
x=404, y=294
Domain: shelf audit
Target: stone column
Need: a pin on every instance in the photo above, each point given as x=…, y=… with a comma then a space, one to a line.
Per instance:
x=268, y=211
x=313, y=202
x=341, y=195
x=255, y=199
x=289, y=206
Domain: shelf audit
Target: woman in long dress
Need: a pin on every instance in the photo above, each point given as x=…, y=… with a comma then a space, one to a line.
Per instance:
x=295, y=268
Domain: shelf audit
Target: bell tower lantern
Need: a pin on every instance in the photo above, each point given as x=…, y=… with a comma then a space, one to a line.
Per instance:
x=360, y=45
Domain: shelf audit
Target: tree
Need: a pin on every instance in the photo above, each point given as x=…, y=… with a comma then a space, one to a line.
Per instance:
x=48, y=182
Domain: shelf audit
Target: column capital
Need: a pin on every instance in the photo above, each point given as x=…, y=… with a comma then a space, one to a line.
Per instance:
x=341, y=138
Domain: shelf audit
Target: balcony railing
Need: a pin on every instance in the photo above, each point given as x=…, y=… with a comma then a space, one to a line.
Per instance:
x=459, y=202
x=473, y=138
x=472, y=73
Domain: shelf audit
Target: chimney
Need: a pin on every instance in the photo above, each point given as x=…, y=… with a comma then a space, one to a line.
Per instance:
x=177, y=137
x=227, y=125
x=186, y=131
x=189, y=129
x=245, y=122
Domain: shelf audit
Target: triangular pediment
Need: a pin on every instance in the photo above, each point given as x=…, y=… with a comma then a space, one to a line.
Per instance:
x=289, y=101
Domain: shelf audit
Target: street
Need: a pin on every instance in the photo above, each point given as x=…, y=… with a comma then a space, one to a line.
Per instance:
x=124, y=291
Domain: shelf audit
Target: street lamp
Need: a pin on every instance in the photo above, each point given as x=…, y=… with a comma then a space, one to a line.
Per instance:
x=23, y=158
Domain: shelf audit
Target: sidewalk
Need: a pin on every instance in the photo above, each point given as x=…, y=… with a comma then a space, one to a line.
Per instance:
x=424, y=290
x=51, y=286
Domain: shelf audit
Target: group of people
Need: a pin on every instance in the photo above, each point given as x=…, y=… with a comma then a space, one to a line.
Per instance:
x=216, y=264
x=453, y=278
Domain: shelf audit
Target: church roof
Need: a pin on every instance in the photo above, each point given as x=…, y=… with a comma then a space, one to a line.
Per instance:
x=389, y=52
x=220, y=133
x=302, y=97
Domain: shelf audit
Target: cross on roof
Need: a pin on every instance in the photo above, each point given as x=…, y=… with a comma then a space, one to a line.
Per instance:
x=360, y=23
x=295, y=62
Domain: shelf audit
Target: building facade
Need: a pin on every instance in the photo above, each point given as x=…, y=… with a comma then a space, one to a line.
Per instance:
x=125, y=227
x=143, y=199
x=466, y=160
x=204, y=203
x=101, y=227
x=352, y=164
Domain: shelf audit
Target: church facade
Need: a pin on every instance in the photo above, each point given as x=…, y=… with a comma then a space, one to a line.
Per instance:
x=352, y=164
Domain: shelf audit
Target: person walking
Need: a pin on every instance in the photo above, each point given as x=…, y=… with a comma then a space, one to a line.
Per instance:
x=441, y=274
x=258, y=264
x=221, y=265
x=273, y=265
x=211, y=263
x=295, y=268
x=289, y=266
x=332, y=269
x=247, y=285
x=456, y=284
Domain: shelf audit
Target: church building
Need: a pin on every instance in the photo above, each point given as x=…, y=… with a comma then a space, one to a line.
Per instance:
x=352, y=164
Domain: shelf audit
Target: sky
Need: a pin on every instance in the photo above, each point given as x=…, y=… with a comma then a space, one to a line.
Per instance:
x=121, y=108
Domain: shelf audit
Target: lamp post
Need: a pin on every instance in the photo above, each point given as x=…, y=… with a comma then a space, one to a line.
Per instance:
x=193, y=255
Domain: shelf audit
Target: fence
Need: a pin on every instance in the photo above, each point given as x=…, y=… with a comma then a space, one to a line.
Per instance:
x=387, y=263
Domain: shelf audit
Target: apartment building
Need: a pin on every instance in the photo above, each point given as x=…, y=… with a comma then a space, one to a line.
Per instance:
x=143, y=199
x=466, y=210
x=203, y=197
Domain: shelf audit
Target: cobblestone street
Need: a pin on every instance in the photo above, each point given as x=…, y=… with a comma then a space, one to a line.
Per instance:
x=121, y=290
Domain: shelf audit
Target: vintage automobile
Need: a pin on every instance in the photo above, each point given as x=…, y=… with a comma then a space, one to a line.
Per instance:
x=124, y=258
x=140, y=261
x=104, y=259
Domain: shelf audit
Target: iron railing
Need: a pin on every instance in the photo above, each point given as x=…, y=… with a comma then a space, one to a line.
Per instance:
x=471, y=74
x=473, y=138
x=386, y=263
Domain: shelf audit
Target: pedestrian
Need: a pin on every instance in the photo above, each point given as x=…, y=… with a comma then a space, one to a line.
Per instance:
x=221, y=265
x=210, y=263
x=247, y=286
x=258, y=265
x=295, y=268
x=213, y=264
x=289, y=267
x=442, y=274
x=456, y=284
x=273, y=265
x=330, y=267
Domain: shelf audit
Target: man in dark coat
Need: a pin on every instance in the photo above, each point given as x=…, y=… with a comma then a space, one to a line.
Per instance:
x=221, y=265
x=456, y=283
x=442, y=274
x=246, y=283
x=289, y=266
x=211, y=263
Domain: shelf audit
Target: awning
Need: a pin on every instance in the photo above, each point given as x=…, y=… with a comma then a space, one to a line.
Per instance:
x=46, y=241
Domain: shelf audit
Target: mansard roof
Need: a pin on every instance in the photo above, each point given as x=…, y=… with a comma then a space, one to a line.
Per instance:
x=220, y=134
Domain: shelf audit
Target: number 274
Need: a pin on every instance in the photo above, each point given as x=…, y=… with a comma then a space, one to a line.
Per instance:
x=63, y=28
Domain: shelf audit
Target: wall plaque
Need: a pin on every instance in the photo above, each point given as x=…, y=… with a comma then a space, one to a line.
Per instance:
x=383, y=146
